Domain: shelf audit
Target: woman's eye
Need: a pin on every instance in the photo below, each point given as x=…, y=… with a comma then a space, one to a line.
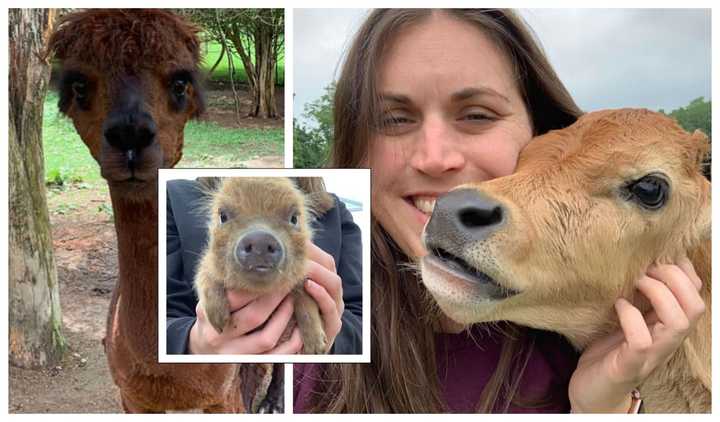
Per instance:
x=223, y=217
x=650, y=191
x=395, y=120
x=477, y=115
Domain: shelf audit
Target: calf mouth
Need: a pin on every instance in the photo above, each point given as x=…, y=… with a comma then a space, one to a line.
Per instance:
x=449, y=265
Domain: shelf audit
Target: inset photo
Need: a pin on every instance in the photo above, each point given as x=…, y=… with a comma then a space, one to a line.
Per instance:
x=264, y=265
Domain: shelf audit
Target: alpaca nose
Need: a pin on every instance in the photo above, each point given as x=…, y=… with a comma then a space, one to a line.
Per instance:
x=465, y=215
x=130, y=130
x=259, y=251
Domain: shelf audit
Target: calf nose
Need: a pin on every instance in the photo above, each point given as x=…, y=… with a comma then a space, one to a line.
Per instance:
x=129, y=130
x=259, y=251
x=465, y=215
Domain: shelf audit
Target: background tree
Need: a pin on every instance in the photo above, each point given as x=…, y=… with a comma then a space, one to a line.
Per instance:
x=696, y=115
x=257, y=37
x=312, y=140
x=35, y=321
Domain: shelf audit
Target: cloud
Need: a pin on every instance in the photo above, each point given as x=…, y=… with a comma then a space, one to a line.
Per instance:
x=653, y=58
x=607, y=58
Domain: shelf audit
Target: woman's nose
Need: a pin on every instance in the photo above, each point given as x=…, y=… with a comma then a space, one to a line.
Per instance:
x=436, y=149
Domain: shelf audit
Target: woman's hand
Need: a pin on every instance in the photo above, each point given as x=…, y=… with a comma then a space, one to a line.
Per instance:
x=325, y=286
x=249, y=311
x=612, y=367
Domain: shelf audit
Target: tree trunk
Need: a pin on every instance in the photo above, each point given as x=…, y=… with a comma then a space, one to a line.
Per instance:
x=35, y=336
x=265, y=61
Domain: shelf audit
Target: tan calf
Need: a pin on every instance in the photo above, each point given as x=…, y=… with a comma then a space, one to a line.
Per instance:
x=554, y=245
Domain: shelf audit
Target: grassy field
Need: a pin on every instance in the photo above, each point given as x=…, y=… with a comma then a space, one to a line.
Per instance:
x=67, y=159
x=222, y=72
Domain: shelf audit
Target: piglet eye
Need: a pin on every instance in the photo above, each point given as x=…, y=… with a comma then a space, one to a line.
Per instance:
x=651, y=191
x=223, y=217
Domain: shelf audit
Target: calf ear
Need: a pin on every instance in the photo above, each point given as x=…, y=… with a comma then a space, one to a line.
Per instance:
x=701, y=148
x=704, y=219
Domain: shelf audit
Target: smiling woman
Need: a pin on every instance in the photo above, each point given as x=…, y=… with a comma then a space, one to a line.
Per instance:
x=432, y=99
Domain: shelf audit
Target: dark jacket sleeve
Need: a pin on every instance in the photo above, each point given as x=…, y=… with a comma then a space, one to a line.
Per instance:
x=181, y=299
x=349, y=268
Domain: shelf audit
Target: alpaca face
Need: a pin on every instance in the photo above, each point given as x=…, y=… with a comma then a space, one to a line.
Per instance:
x=555, y=244
x=129, y=85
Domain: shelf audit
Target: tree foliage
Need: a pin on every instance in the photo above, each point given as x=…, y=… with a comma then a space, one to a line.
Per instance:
x=257, y=37
x=696, y=115
x=312, y=141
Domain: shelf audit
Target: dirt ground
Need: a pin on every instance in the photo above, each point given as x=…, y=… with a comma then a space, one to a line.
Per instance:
x=86, y=257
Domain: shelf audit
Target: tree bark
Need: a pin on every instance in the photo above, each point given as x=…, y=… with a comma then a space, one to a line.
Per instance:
x=35, y=334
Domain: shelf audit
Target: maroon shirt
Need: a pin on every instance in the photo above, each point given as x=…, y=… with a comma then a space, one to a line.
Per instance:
x=465, y=364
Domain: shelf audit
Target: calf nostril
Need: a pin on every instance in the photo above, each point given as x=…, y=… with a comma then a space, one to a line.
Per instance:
x=472, y=217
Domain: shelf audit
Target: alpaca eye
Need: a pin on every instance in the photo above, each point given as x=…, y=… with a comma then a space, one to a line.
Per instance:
x=179, y=87
x=651, y=191
x=223, y=217
x=294, y=219
x=79, y=89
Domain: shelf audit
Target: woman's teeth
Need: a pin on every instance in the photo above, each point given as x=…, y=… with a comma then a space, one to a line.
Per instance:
x=424, y=204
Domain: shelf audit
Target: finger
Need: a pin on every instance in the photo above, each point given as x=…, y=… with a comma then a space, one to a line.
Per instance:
x=638, y=341
x=255, y=313
x=327, y=306
x=238, y=299
x=291, y=347
x=684, y=290
x=266, y=339
x=687, y=267
x=665, y=304
x=320, y=256
x=327, y=279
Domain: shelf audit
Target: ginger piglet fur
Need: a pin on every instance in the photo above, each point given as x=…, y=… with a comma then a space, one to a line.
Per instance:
x=258, y=229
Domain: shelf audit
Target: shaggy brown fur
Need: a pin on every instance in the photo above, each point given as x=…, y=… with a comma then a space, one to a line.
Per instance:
x=140, y=63
x=274, y=206
x=570, y=239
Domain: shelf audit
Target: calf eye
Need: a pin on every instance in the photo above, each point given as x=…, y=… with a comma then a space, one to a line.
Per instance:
x=651, y=191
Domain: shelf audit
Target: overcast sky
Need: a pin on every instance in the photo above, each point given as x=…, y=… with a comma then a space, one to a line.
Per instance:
x=607, y=58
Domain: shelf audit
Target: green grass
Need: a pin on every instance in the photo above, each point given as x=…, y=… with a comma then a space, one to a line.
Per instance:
x=68, y=160
x=210, y=145
x=222, y=72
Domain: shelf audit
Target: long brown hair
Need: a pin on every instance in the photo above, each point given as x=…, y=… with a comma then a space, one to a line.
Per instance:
x=403, y=374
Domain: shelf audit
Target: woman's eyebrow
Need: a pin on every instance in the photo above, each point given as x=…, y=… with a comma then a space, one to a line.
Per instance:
x=470, y=92
x=395, y=98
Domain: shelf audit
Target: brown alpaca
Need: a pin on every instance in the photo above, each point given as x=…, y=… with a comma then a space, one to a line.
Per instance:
x=128, y=84
x=555, y=244
x=258, y=230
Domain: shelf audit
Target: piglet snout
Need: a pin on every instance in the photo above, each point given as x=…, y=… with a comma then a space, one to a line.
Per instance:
x=259, y=251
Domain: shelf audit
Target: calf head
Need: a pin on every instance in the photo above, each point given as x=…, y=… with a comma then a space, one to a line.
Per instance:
x=555, y=244
x=128, y=83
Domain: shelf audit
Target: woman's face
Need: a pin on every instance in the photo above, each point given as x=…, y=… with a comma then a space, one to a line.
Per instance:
x=453, y=114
